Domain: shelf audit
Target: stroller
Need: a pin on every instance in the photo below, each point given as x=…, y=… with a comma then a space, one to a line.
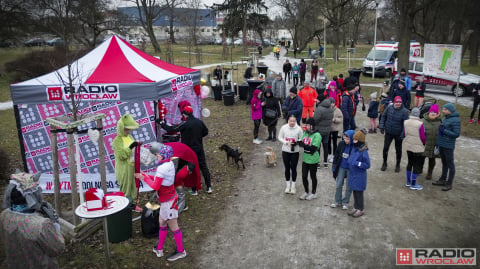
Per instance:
x=425, y=106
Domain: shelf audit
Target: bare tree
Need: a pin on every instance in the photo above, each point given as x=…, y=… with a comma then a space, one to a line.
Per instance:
x=148, y=12
x=171, y=5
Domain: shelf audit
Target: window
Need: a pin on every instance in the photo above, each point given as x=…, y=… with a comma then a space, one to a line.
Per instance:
x=419, y=67
x=410, y=65
x=202, y=30
x=208, y=30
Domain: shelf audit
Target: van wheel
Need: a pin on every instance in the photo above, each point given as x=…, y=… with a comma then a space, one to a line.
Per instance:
x=459, y=91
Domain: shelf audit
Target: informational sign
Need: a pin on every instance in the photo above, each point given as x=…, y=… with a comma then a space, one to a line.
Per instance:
x=442, y=59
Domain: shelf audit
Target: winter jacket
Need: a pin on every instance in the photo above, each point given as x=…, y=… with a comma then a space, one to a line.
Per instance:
x=192, y=130
x=337, y=122
x=420, y=89
x=217, y=74
x=311, y=143
x=414, y=135
x=290, y=134
x=295, y=71
x=323, y=116
x=372, y=110
x=308, y=96
x=348, y=106
x=358, y=163
x=287, y=67
x=256, y=106
x=405, y=95
x=292, y=106
x=449, y=131
x=279, y=88
x=271, y=102
x=392, y=120
x=303, y=67
x=408, y=82
x=323, y=75
x=340, y=157
x=431, y=133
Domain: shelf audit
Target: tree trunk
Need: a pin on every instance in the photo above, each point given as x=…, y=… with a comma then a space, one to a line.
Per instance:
x=473, y=47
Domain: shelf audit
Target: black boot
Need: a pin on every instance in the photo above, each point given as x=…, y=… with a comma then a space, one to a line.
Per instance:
x=269, y=135
x=274, y=135
x=384, y=166
x=397, y=167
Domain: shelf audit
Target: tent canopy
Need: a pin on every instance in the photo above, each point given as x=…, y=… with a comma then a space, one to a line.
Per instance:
x=113, y=71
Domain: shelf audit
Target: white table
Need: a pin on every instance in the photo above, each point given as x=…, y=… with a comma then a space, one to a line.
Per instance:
x=114, y=204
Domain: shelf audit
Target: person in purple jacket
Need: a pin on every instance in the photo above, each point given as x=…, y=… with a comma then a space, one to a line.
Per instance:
x=256, y=108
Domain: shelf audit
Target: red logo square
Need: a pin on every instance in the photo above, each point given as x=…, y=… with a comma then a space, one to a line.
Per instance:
x=173, y=85
x=54, y=93
x=404, y=256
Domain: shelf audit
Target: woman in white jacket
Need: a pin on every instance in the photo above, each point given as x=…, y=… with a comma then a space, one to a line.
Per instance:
x=290, y=134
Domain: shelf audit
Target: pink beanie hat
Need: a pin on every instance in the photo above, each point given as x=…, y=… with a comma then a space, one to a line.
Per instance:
x=433, y=108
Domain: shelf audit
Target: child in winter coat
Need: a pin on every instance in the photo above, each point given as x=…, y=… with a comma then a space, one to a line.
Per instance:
x=340, y=169
x=373, y=112
x=256, y=108
x=310, y=142
x=358, y=163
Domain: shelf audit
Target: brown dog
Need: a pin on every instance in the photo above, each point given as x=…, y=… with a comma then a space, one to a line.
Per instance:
x=270, y=159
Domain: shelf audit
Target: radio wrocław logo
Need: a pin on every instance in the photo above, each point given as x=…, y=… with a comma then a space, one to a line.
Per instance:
x=101, y=92
x=436, y=256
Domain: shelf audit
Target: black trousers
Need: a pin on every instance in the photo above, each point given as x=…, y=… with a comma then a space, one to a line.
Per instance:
x=256, y=126
x=332, y=141
x=202, y=163
x=290, y=161
x=358, y=200
x=415, y=162
x=295, y=81
x=287, y=76
x=398, y=146
x=448, y=165
x=312, y=168
x=476, y=102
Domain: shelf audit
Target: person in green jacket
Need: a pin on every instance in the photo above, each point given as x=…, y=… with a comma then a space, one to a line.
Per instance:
x=123, y=146
x=310, y=142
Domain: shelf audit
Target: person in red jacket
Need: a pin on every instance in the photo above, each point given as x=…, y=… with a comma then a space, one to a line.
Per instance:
x=163, y=182
x=308, y=95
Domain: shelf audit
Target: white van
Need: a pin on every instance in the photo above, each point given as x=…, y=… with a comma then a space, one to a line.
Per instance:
x=445, y=83
x=386, y=52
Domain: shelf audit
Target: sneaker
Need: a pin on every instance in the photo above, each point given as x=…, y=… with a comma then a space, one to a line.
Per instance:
x=447, y=188
x=185, y=208
x=330, y=158
x=439, y=183
x=344, y=207
x=177, y=255
x=303, y=196
x=311, y=196
x=138, y=209
x=357, y=214
x=470, y=121
x=209, y=190
x=352, y=212
x=335, y=205
x=194, y=193
x=159, y=253
x=325, y=165
x=259, y=141
x=408, y=184
x=293, y=189
x=416, y=187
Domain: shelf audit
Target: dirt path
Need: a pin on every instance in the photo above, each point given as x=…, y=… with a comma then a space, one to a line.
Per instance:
x=265, y=228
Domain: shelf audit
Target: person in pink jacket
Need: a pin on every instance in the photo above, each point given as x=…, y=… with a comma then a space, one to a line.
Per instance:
x=256, y=108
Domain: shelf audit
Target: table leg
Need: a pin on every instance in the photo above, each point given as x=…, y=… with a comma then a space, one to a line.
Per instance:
x=107, y=243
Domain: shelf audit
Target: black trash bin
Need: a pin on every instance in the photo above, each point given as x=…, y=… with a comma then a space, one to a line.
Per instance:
x=355, y=72
x=262, y=70
x=243, y=91
x=217, y=93
x=120, y=225
x=228, y=97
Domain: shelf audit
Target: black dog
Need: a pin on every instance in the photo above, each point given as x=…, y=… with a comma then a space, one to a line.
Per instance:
x=234, y=154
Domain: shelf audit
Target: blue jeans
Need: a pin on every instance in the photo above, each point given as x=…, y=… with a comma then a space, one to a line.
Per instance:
x=342, y=178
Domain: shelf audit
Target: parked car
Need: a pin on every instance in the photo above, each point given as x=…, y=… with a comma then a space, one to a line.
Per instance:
x=205, y=41
x=238, y=42
x=446, y=83
x=34, y=42
x=57, y=41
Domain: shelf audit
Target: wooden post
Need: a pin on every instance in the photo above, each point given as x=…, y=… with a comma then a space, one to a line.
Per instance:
x=101, y=156
x=73, y=172
x=56, y=176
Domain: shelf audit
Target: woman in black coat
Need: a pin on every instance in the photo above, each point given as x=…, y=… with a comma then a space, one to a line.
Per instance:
x=271, y=113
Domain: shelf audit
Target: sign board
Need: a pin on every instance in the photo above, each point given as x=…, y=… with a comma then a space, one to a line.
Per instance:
x=442, y=59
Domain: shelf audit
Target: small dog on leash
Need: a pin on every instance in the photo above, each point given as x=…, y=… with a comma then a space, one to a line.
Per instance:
x=270, y=159
x=234, y=154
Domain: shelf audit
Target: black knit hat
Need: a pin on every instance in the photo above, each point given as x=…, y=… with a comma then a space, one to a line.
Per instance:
x=293, y=89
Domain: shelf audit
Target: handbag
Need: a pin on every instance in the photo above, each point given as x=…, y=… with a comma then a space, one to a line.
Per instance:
x=270, y=113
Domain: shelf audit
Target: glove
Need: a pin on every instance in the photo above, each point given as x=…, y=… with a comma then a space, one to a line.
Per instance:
x=441, y=129
x=134, y=144
x=382, y=131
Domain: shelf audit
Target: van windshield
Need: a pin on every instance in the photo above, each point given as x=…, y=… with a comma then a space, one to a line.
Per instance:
x=381, y=55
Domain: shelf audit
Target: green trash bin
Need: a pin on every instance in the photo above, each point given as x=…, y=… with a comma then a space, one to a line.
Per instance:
x=120, y=225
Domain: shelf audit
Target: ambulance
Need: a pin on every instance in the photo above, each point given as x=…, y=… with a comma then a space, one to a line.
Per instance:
x=386, y=52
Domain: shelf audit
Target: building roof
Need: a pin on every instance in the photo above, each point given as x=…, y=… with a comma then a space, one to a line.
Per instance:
x=183, y=17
